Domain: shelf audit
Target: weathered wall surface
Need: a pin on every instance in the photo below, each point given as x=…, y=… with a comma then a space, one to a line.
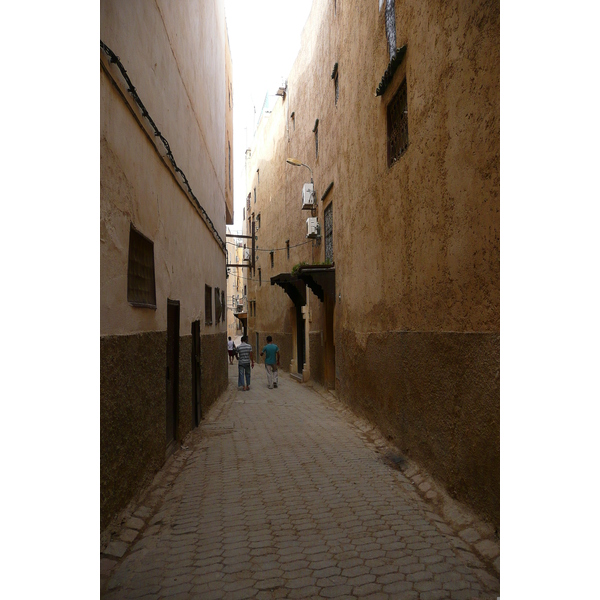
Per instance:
x=416, y=244
x=132, y=416
x=317, y=365
x=175, y=54
x=214, y=368
x=136, y=187
x=439, y=204
x=437, y=395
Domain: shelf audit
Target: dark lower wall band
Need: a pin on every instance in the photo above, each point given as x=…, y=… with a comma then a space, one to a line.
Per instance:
x=133, y=408
x=132, y=416
x=437, y=395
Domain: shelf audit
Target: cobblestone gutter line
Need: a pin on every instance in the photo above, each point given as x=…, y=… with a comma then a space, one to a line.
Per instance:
x=471, y=534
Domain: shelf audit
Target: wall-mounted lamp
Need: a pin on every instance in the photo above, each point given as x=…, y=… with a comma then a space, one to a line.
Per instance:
x=297, y=163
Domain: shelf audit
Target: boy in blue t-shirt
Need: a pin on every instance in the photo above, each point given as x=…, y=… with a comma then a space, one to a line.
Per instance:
x=271, y=352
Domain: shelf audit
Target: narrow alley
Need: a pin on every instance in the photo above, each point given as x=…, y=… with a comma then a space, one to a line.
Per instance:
x=283, y=493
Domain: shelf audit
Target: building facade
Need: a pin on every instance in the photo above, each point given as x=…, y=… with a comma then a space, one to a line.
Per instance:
x=166, y=195
x=392, y=111
x=237, y=306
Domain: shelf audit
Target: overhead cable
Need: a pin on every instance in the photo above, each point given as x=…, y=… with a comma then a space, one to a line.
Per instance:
x=131, y=89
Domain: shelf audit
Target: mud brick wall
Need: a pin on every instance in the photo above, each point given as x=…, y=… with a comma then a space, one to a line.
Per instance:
x=439, y=401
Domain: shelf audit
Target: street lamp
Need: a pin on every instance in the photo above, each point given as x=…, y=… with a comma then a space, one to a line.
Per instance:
x=297, y=163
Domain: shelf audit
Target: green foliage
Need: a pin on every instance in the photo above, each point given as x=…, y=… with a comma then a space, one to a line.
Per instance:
x=297, y=266
x=304, y=263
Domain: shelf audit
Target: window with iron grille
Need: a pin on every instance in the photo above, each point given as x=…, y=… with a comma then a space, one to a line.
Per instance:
x=397, y=125
x=259, y=277
x=141, y=288
x=328, y=217
x=207, y=305
x=223, y=307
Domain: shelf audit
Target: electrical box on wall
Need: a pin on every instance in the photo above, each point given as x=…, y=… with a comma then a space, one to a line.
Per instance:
x=308, y=196
x=246, y=253
x=312, y=227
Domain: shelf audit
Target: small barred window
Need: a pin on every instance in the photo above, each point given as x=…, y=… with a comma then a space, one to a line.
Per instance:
x=141, y=289
x=328, y=218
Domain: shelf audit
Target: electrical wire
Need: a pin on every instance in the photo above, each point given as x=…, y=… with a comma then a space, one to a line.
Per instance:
x=131, y=89
x=274, y=249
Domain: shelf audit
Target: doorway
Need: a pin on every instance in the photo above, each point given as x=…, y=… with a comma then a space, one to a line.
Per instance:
x=329, y=342
x=300, y=339
x=196, y=373
x=172, y=402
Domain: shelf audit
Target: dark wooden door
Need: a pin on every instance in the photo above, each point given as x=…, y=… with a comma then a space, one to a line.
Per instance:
x=329, y=343
x=300, y=335
x=196, y=373
x=172, y=368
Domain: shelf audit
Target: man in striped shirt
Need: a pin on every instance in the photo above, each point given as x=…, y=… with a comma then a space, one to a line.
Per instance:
x=245, y=359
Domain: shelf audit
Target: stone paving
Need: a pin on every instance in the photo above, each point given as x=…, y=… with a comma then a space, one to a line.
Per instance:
x=283, y=494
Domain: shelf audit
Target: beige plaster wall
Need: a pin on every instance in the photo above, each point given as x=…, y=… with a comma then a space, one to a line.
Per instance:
x=170, y=51
x=175, y=53
x=439, y=204
x=416, y=245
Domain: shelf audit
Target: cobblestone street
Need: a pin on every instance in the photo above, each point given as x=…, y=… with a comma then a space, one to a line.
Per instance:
x=283, y=493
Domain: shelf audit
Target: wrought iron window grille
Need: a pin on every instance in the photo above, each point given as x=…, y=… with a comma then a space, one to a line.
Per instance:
x=141, y=287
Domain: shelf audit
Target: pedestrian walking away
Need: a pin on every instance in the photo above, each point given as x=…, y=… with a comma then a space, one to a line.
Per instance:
x=245, y=363
x=230, y=349
x=271, y=352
